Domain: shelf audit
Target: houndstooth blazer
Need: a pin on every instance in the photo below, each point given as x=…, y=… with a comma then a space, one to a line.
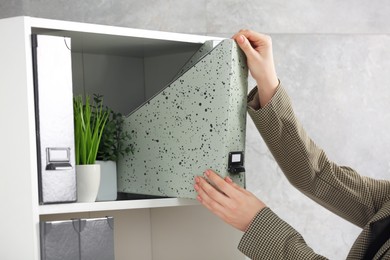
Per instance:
x=358, y=199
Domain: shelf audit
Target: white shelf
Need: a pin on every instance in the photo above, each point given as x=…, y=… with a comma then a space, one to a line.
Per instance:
x=114, y=205
x=85, y=28
x=92, y=38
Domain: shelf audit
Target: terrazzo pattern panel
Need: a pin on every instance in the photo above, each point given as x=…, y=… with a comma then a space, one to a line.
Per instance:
x=203, y=50
x=189, y=127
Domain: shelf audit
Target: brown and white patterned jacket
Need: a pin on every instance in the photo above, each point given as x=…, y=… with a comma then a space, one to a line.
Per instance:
x=358, y=199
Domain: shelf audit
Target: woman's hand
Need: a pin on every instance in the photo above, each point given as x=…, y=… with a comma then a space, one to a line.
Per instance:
x=258, y=50
x=233, y=204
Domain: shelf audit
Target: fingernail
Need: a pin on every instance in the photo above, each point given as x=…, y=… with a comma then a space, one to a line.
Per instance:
x=241, y=39
x=196, y=187
x=197, y=180
x=199, y=198
x=228, y=179
x=207, y=173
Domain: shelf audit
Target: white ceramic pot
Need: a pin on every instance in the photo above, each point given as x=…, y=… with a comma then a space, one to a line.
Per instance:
x=88, y=181
x=108, y=187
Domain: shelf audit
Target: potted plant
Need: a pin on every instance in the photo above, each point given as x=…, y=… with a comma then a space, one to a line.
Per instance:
x=89, y=121
x=115, y=142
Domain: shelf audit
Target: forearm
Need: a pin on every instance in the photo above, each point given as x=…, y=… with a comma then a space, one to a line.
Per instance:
x=269, y=237
x=267, y=86
x=284, y=136
x=340, y=189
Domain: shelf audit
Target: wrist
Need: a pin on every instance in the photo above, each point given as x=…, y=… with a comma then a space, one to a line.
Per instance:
x=268, y=85
x=268, y=80
x=266, y=89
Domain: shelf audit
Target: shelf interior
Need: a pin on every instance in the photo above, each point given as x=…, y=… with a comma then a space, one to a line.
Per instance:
x=127, y=70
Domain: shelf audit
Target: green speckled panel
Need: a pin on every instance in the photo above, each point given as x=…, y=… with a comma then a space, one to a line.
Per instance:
x=188, y=127
x=203, y=50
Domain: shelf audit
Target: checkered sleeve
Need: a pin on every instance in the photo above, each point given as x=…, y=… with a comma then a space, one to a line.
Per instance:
x=339, y=189
x=269, y=237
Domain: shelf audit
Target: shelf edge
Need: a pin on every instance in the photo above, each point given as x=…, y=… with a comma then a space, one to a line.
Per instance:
x=114, y=205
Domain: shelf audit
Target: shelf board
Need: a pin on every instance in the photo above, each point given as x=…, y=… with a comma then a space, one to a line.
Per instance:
x=114, y=40
x=114, y=205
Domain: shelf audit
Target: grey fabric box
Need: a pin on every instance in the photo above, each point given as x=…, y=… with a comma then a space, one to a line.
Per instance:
x=97, y=239
x=60, y=240
x=78, y=239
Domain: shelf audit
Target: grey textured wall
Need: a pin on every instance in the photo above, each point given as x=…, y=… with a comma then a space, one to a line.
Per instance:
x=332, y=56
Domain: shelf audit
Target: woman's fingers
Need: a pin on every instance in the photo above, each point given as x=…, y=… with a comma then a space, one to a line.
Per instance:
x=220, y=183
x=209, y=196
x=235, y=185
x=227, y=200
x=258, y=50
x=253, y=36
x=245, y=46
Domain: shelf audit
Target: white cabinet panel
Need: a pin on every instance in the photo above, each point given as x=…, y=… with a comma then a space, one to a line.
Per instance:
x=192, y=233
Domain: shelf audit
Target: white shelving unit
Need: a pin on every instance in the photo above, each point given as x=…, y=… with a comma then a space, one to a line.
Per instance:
x=114, y=205
x=158, y=229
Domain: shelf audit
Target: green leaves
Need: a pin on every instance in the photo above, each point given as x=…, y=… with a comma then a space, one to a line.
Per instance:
x=115, y=141
x=89, y=122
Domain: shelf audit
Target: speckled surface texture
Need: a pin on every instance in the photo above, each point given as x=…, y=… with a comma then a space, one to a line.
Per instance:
x=190, y=126
x=204, y=49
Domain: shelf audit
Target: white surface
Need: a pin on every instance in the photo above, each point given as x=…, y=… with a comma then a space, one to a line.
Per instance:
x=118, y=40
x=88, y=182
x=115, y=30
x=18, y=167
x=113, y=205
